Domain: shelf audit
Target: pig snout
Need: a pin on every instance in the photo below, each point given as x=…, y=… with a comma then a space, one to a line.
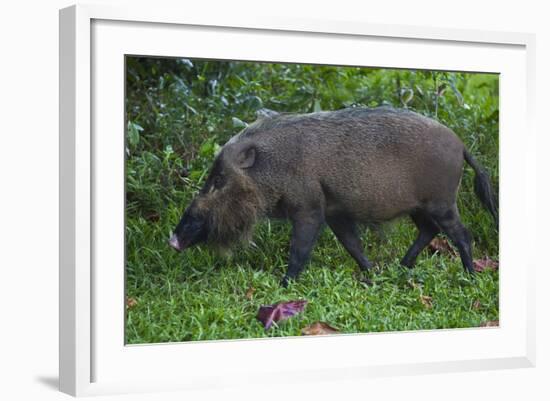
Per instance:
x=175, y=243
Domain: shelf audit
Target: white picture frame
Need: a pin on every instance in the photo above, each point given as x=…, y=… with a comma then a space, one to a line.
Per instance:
x=93, y=360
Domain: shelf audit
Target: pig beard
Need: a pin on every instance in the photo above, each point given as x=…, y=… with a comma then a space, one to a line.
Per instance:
x=232, y=212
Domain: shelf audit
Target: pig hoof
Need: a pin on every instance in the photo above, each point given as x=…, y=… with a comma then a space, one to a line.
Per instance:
x=366, y=268
x=367, y=281
x=285, y=281
x=363, y=277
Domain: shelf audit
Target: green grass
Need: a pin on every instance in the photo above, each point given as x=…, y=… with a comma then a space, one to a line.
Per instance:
x=198, y=295
x=180, y=112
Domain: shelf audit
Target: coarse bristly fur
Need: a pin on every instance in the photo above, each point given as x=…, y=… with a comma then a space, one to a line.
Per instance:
x=345, y=168
x=231, y=212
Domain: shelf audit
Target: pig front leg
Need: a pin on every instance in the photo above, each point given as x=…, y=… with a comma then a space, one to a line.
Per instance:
x=305, y=230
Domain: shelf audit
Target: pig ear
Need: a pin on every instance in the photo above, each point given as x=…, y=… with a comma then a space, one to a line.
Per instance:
x=246, y=156
x=266, y=113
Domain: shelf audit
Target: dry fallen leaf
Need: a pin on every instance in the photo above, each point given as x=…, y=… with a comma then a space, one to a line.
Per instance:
x=490, y=323
x=477, y=304
x=319, y=328
x=250, y=293
x=131, y=302
x=269, y=314
x=426, y=301
x=442, y=246
x=153, y=216
x=484, y=264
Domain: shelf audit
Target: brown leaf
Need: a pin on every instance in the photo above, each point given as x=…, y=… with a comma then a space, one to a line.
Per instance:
x=426, y=301
x=484, y=264
x=442, y=246
x=477, y=304
x=250, y=293
x=153, y=216
x=131, y=302
x=319, y=328
x=490, y=323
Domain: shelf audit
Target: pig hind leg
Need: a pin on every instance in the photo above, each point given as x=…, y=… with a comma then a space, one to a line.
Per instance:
x=450, y=224
x=427, y=230
x=346, y=232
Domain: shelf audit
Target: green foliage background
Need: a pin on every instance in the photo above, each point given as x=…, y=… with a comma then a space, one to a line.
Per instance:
x=180, y=111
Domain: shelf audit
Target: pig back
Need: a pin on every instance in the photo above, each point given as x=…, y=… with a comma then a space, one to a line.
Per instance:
x=372, y=164
x=377, y=166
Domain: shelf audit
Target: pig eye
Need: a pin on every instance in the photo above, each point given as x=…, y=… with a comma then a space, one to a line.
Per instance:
x=218, y=181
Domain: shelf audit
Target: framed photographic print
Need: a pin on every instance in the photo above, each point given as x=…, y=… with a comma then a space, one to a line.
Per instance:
x=299, y=200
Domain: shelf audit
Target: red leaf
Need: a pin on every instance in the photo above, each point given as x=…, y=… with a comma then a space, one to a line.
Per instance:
x=484, y=264
x=269, y=314
x=131, y=302
x=319, y=328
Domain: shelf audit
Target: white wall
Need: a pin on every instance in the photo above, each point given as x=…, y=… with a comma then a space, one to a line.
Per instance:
x=28, y=198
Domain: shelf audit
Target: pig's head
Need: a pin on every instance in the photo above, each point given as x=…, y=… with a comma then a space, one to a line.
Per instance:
x=227, y=207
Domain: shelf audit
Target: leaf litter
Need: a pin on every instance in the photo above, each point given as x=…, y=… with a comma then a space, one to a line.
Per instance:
x=485, y=263
x=319, y=329
x=269, y=314
x=442, y=246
